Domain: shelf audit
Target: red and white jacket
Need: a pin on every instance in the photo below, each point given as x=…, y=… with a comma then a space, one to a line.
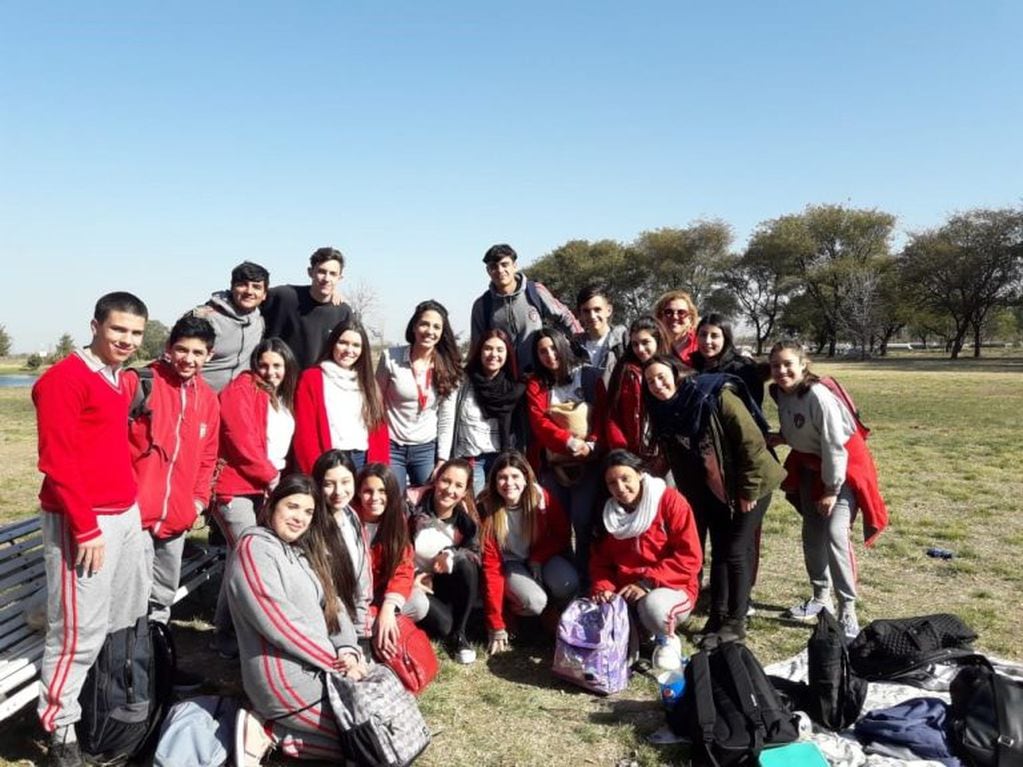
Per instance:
x=399, y=586
x=667, y=555
x=247, y=469
x=312, y=430
x=83, y=443
x=174, y=451
x=553, y=535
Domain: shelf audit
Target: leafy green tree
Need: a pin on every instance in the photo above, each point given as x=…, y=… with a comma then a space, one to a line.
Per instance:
x=65, y=345
x=34, y=361
x=967, y=268
x=5, y=341
x=154, y=339
x=686, y=259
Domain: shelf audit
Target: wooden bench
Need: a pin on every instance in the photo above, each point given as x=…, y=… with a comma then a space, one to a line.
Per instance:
x=23, y=584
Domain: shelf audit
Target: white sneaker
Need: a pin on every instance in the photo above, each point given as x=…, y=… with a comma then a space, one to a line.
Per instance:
x=850, y=625
x=464, y=652
x=808, y=610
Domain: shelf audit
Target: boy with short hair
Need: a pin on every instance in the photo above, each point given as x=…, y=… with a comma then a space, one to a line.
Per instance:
x=174, y=452
x=96, y=577
x=237, y=323
x=602, y=343
x=303, y=315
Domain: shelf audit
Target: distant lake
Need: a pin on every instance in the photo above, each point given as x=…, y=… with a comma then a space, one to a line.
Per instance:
x=16, y=380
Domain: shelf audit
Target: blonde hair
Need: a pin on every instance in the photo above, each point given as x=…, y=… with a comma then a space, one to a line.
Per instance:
x=492, y=505
x=676, y=295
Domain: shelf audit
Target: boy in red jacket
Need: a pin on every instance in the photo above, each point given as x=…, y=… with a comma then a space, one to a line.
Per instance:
x=96, y=578
x=174, y=452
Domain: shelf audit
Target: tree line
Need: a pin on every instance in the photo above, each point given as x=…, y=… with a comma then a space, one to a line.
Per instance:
x=829, y=275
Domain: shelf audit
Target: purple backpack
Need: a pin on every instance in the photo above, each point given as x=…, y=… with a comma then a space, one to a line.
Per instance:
x=593, y=645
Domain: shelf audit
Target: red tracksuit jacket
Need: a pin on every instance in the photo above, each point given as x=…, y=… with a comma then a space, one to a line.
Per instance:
x=247, y=469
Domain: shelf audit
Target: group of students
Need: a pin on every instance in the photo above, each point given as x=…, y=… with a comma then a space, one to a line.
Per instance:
x=559, y=458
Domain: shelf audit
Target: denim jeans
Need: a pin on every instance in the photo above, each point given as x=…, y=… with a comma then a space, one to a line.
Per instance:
x=481, y=469
x=415, y=462
x=579, y=502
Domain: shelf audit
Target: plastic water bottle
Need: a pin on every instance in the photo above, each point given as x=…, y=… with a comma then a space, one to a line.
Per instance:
x=672, y=684
x=667, y=655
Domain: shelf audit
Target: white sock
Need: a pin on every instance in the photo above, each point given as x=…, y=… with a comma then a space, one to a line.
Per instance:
x=65, y=734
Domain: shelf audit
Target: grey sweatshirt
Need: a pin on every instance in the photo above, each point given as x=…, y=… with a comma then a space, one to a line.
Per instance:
x=276, y=604
x=237, y=336
x=514, y=315
x=408, y=424
x=818, y=423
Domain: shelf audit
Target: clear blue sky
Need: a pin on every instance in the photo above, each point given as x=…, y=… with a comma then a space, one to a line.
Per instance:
x=152, y=146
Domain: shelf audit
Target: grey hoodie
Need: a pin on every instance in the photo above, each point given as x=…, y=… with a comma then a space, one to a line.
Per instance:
x=514, y=315
x=237, y=336
x=276, y=604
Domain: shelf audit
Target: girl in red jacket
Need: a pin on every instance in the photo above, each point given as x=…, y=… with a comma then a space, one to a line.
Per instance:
x=338, y=404
x=384, y=515
x=677, y=314
x=647, y=549
x=625, y=421
x=256, y=426
x=565, y=445
x=525, y=534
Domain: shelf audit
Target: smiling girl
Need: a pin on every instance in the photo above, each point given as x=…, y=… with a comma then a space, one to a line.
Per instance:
x=719, y=457
x=417, y=383
x=337, y=403
x=716, y=353
x=677, y=313
x=831, y=474
x=381, y=507
x=646, y=550
x=294, y=627
x=487, y=408
x=444, y=529
x=525, y=536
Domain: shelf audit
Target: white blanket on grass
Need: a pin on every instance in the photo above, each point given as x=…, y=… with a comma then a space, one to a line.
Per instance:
x=841, y=749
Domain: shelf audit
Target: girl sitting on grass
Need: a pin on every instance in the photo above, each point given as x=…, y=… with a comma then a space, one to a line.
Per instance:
x=646, y=550
x=830, y=474
x=526, y=536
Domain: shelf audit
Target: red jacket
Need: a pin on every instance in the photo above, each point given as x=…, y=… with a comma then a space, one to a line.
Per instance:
x=83, y=444
x=624, y=423
x=667, y=555
x=312, y=431
x=545, y=433
x=686, y=348
x=861, y=476
x=243, y=447
x=553, y=536
x=174, y=451
x=401, y=579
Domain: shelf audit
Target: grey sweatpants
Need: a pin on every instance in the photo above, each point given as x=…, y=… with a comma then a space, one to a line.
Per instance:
x=827, y=549
x=163, y=558
x=663, y=609
x=81, y=609
x=528, y=597
x=234, y=519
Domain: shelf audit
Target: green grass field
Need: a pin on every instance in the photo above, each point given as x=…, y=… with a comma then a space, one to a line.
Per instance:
x=947, y=440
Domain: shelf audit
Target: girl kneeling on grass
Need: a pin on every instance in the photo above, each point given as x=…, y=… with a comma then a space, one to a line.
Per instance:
x=526, y=535
x=445, y=537
x=830, y=474
x=647, y=549
x=384, y=516
x=289, y=588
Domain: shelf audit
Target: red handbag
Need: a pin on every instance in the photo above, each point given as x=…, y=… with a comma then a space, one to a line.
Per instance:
x=415, y=663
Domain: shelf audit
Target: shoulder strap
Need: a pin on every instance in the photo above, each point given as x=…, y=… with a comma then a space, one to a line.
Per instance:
x=736, y=662
x=533, y=297
x=703, y=698
x=846, y=399
x=1008, y=700
x=140, y=401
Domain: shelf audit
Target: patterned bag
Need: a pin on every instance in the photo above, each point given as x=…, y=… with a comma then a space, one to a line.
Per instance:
x=593, y=645
x=379, y=722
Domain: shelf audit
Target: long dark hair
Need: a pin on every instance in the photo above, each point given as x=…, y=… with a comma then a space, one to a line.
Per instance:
x=447, y=362
x=320, y=543
x=393, y=529
x=809, y=377
x=567, y=359
x=722, y=322
x=342, y=568
x=474, y=364
x=286, y=392
x=372, y=404
x=644, y=323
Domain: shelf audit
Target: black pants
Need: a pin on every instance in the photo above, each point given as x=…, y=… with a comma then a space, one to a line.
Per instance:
x=734, y=559
x=452, y=599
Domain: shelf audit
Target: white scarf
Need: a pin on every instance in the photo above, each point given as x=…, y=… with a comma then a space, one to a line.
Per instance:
x=622, y=523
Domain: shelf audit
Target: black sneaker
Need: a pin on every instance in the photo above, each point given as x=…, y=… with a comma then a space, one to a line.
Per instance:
x=186, y=681
x=63, y=753
x=733, y=630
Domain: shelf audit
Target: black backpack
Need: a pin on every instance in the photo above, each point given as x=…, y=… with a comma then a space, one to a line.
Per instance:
x=729, y=709
x=986, y=716
x=837, y=694
x=893, y=650
x=127, y=692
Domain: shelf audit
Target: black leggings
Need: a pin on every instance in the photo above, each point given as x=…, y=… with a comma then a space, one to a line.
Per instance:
x=452, y=599
x=734, y=558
